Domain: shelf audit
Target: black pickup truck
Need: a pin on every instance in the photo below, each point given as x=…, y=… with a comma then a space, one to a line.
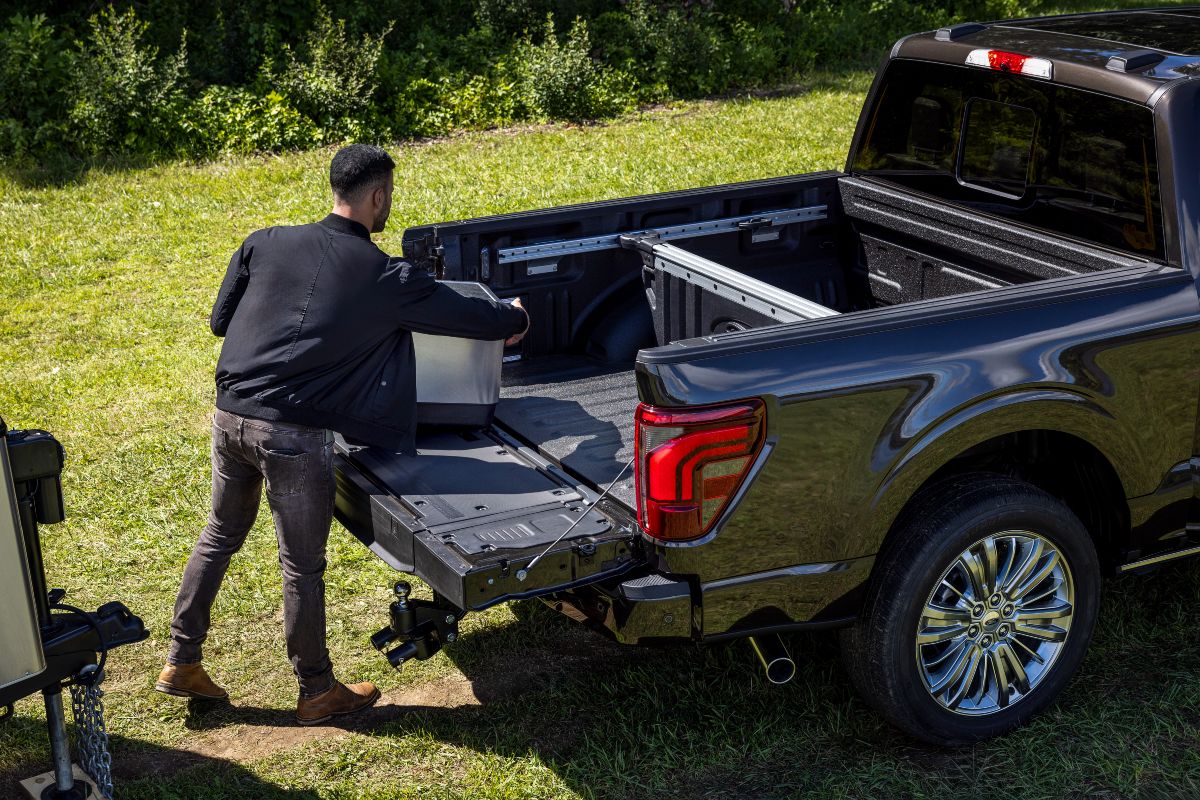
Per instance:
x=929, y=400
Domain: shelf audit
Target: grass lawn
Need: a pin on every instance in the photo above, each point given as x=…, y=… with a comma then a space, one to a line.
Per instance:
x=106, y=288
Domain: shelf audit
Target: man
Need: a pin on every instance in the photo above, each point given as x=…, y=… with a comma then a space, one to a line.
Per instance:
x=317, y=323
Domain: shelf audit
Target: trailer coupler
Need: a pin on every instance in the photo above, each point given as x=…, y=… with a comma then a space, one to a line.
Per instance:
x=420, y=626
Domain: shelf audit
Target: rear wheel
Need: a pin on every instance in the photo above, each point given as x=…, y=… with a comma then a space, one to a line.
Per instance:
x=981, y=610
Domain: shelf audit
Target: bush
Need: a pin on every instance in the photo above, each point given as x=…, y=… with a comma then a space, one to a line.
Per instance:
x=13, y=139
x=335, y=84
x=510, y=17
x=426, y=107
x=226, y=119
x=562, y=80
x=34, y=73
x=125, y=99
x=290, y=73
x=680, y=53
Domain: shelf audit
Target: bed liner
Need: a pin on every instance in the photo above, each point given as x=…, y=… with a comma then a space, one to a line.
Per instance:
x=576, y=411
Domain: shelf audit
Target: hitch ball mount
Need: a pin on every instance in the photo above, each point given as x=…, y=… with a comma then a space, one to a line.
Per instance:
x=420, y=626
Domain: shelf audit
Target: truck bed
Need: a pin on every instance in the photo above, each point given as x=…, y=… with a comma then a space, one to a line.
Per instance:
x=576, y=411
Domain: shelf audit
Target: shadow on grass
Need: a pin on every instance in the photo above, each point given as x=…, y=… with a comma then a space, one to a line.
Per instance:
x=623, y=722
x=142, y=771
x=613, y=721
x=62, y=171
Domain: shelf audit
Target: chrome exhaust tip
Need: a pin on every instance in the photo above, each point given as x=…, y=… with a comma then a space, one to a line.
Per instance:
x=777, y=663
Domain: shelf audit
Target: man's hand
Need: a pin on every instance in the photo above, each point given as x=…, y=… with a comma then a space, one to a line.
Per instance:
x=517, y=337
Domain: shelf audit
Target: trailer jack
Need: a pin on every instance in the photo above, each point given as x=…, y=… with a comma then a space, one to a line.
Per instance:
x=420, y=626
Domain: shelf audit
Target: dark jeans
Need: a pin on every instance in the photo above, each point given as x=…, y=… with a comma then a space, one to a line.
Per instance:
x=297, y=463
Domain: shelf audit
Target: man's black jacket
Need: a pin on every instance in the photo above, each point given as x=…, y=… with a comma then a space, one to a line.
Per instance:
x=317, y=323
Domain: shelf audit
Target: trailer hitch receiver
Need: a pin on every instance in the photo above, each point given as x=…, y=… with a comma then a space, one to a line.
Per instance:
x=420, y=626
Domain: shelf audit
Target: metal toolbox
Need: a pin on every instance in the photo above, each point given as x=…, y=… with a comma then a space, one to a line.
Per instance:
x=458, y=380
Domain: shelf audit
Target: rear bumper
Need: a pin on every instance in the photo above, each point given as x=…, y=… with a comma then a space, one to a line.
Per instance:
x=639, y=610
x=655, y=607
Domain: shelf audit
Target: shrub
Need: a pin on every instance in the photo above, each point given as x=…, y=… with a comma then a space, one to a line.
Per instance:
x=510, y=16
x=680, y=52
x=750, y=55
x=124, y=97
x=225, y=119
x=34, y=71
x=426, y=107
x=564, y=82
x=13, y=139
x=334, y=85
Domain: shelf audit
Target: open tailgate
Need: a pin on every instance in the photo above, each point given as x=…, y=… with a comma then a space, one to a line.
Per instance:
x=471, y=510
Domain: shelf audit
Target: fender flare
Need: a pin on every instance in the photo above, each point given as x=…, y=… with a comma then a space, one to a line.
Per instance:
x=1061, y=410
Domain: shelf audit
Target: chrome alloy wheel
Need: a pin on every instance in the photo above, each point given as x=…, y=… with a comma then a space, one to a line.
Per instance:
x=995, y=623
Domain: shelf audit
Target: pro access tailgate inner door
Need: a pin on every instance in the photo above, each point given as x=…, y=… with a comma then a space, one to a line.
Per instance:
x=471, y=510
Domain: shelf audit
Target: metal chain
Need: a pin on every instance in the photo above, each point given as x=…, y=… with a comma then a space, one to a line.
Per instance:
x=91, y=735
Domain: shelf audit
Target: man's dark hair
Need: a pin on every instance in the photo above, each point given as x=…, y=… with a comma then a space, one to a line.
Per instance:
x=358, y=168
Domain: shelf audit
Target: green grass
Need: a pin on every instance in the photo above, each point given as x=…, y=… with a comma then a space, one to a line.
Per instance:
x=105, y=292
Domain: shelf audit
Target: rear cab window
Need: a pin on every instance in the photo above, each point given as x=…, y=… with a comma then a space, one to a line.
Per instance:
x=1053, y=157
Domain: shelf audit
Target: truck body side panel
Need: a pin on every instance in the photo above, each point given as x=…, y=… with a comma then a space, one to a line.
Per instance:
x=861, y=415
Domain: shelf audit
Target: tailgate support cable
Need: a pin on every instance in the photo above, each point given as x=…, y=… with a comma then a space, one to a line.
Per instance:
x=523, y=573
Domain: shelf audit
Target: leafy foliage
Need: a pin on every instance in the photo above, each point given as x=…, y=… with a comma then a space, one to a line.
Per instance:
x=227, y=119
x=123, y=95
x=563, y=81
x=34, y=66
x=334, y=85
x=279, y=74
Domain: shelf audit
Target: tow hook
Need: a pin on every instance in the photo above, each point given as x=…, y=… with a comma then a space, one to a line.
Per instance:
x=420, y=626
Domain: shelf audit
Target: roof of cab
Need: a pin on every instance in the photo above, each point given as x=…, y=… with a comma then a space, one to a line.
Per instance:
x=1081, y=47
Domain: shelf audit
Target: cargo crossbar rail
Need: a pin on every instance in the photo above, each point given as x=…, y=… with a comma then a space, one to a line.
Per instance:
x=718, y=279
x=755, y=223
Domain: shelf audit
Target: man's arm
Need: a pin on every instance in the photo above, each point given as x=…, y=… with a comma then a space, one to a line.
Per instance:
x=232, y=287
x=429, y=307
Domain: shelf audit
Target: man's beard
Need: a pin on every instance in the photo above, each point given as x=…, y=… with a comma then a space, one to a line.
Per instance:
x=380, y=221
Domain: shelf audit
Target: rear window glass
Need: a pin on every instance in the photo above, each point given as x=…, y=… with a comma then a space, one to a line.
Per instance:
x=1051, y=157
x=997, y=143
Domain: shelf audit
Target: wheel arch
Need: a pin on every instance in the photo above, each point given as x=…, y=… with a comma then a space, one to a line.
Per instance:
x=1062, y=442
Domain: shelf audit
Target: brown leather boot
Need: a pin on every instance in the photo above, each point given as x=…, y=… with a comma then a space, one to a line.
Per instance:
x=335, y=701
x=189, y=680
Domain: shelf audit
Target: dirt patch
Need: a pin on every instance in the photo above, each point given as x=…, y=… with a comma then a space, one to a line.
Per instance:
x=278, y=731
x=264, y=733
x=224, y=735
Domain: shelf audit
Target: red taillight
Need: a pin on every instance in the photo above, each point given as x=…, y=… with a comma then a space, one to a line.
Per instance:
x=690, y=463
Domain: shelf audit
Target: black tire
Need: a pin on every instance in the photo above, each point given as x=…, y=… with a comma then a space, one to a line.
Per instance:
x=942, y=523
